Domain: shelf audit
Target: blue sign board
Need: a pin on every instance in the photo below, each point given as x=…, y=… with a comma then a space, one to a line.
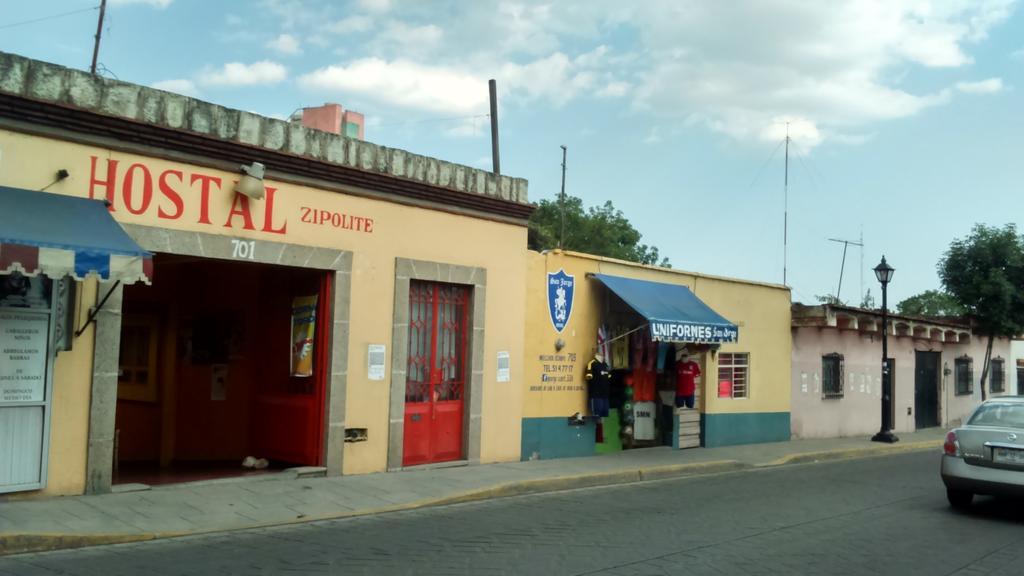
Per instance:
x=561, y=287
x=669, y=331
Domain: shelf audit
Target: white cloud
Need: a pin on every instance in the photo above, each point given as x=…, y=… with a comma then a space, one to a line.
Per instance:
x=989, y=86
x=285, y=44
x=834, y=69
x=239, y=74
x=798, y=129
x=405, y=84
x=402, y=38
x=614, y=89
x=351, y=24
x=178, y=86
x=153, y=3
x=653, y=136
x=831, y=65
x=375, y=5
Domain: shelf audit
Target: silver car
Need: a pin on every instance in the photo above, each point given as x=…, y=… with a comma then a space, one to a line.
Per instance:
x=986, y=455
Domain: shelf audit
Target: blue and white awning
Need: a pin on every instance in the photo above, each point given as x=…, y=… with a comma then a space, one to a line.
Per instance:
x=57, y=235
x=674, y=313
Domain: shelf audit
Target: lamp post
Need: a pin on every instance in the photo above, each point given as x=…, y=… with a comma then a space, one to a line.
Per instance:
x=884, y=274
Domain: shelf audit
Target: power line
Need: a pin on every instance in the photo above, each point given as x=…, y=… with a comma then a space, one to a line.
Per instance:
x=765, y=165
x=428, y=120
x=45, y=18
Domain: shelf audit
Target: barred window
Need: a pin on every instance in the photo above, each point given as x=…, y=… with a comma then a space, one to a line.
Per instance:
x=832, y=375
x=733, y=375
x=998, y=382
x=964, y=376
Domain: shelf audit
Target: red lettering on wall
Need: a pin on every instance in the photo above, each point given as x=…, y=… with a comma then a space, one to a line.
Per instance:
x=333, y=219
x=204, y=189
x=108, y=183
x=128, y=189
x=240, y=207
x=171, y=194
x=268, y=214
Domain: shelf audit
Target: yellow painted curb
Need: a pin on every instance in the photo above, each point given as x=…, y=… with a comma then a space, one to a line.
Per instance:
x=848, y=453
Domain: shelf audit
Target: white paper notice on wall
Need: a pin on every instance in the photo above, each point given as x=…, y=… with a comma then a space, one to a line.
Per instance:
x=504, y=366
x=375, y=361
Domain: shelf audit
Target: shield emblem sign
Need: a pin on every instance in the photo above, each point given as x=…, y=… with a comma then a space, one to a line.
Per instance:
x=561, y=287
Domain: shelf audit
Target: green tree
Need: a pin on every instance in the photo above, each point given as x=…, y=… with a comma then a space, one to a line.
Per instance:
x=984, y=273
x=601, y=230
x=931, y=303
x=868, y=301
x=829, y=299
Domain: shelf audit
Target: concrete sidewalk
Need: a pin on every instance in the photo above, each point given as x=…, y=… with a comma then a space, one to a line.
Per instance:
x=232, y=504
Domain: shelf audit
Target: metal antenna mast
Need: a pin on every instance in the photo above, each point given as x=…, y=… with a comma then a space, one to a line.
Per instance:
x=99, y=32
x=785, y=212
x=561, y=201
x=862, y=294
x=846, y=244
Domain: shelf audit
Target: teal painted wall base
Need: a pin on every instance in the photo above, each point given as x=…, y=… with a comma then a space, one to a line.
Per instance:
x=744, y=428
x=547, y=438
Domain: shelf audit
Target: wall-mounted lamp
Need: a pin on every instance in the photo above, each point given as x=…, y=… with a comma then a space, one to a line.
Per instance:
x=251, y=184
x=61, y=175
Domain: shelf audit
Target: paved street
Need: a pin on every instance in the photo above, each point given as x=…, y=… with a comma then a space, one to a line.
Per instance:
x=883, y=515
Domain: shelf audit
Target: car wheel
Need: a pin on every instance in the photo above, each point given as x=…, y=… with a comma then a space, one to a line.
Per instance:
x=959, y=499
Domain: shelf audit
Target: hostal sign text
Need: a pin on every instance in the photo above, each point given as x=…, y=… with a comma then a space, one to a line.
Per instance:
x=138, y=190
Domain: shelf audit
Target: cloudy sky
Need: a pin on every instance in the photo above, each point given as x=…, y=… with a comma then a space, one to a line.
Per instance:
x=905, y=115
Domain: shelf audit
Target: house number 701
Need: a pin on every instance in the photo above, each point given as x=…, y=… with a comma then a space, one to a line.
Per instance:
x=244, y=249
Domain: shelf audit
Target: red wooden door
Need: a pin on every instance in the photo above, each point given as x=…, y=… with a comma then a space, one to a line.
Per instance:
x=436, y=374
x=288, y=417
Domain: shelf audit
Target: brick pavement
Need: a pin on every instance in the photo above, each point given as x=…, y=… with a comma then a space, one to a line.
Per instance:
x=868, y=516
x=274, y=500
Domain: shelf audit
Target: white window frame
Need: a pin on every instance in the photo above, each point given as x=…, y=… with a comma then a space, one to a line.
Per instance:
x=732, y=366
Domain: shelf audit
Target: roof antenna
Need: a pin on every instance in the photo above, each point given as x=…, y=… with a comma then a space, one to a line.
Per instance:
x=785, y=212
x=99, y=32
x=846, y=244
x=561, y=202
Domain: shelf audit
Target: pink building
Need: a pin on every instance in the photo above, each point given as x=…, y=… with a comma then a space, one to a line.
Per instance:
x=837, y=380
x=334, y=119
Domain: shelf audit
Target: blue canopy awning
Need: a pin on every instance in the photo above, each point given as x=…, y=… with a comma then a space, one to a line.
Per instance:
x=58, y=235
x=675, y=314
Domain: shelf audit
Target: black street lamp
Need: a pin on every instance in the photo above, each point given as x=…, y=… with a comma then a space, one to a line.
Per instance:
x=884, y=274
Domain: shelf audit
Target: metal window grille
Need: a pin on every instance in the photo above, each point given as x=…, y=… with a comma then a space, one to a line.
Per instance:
x=734, y=367
x=998, y=376
x=832, y=375
x=964, y=376
x=438, y=337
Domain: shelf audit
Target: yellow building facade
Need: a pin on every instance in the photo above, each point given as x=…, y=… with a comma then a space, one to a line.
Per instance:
x=414, y=267
x=555, y=383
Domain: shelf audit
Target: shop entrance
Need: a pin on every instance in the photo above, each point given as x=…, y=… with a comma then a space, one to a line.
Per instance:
x=654, y=396
x=436, y=374
x=926, y=389
x=221, y=364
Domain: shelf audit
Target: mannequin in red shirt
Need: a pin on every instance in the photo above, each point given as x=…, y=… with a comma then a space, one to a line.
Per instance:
x=687, y=372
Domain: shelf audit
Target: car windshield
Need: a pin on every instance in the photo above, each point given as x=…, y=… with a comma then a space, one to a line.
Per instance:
x=999, y=414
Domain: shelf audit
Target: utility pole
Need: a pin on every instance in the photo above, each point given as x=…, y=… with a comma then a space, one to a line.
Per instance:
x=495, y=155
x=99, y=33
x=842, y=267
x=785, y=212
x=561, y=202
